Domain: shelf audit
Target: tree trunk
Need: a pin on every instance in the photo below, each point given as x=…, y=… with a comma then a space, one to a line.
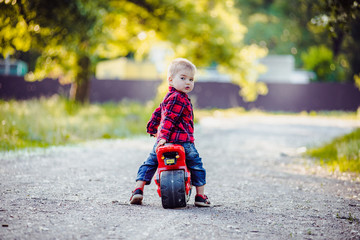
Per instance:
x=355, y=49
x=337, y=42
x=80, y=88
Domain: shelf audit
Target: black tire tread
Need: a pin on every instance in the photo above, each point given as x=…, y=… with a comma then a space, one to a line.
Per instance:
x=172, y=186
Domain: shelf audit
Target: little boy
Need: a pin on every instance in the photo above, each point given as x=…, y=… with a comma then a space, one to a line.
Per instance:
x=175, y=118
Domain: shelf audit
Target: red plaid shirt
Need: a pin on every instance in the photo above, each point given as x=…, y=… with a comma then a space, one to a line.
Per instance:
x=175, y=117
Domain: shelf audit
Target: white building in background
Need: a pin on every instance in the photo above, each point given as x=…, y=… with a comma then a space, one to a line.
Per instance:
x=126, y=69
x=281, y=69
x=211, y=75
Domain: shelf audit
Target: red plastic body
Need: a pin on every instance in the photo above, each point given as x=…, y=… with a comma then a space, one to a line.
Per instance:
x=180, y=164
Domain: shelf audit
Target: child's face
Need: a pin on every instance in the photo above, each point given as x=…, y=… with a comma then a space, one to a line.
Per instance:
x=183, y=81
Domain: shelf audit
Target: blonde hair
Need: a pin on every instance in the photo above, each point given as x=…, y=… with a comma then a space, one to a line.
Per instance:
x=179, y=64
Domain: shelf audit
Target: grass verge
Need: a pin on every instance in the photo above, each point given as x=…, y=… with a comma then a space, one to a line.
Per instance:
x=342, y=153
x=238, y=111
x=57, y=121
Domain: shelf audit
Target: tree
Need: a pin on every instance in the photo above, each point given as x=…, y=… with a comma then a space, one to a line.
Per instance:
x=321, y=60
x=63, y=31
x=299, y=27
x=341, y=20
x=73, y=35
x=281, y=26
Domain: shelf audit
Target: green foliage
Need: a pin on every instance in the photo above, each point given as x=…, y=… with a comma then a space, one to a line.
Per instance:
x=336, y=16
x=277, y=25
x=54, y=121
x=320, y=59
x=357, y=81
x=292, y=27
x=67, y=32
x=343, y=152
x=340, y=20
x=14, y=35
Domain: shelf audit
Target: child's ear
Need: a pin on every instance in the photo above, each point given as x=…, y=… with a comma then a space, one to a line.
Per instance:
x=170, y=80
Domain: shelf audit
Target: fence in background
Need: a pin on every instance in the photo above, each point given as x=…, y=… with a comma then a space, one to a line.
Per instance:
x=281, y=96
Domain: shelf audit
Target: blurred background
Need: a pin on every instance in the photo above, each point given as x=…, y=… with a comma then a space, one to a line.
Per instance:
x=265, y=47
x=73, y=69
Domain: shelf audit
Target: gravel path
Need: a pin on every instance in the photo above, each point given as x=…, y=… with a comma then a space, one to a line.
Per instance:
x=259, y=184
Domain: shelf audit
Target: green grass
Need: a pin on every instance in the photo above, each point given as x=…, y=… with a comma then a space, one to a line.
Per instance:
x=342, y=153
x=57, y=121
x=238, y=111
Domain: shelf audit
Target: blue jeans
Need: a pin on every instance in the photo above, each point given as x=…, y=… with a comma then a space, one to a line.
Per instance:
x=193, y=162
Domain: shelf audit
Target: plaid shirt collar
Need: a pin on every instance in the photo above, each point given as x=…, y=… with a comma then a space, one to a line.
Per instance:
x=172, y=89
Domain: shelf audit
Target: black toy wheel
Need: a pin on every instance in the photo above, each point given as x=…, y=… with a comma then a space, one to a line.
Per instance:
x=172, y=186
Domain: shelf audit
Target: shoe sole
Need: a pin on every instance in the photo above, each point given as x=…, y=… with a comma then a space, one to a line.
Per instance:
x=200, y=204
x=136, y=199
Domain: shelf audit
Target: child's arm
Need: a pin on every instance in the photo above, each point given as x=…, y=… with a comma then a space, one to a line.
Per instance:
x=154, y=122
x=160, y=143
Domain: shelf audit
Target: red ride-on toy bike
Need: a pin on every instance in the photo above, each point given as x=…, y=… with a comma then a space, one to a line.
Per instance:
x=173, y=176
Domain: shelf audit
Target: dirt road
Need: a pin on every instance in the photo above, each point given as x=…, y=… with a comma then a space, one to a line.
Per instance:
x=259, y=184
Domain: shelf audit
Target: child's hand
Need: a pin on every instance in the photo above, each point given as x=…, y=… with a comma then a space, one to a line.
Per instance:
x=160, y=143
